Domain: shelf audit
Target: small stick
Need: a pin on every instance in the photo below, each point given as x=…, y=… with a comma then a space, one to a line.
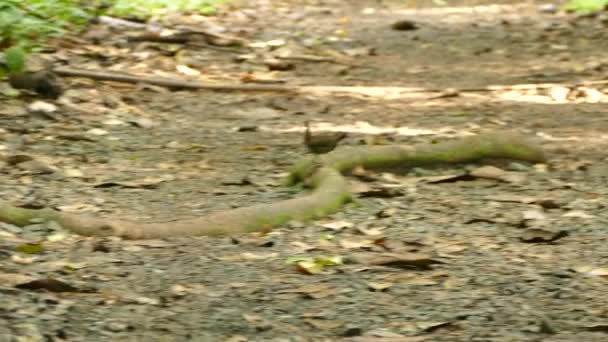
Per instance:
x=165, y=82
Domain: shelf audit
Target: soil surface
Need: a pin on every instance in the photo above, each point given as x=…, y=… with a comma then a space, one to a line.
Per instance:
x=516, y=255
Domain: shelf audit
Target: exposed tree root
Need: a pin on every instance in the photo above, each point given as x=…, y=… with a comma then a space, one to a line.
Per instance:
x=473, y=148
x=329, y=194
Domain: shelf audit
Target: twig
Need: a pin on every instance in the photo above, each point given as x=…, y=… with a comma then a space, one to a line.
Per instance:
x=164, y=82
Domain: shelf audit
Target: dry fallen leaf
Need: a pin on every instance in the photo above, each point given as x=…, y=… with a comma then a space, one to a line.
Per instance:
x=387, y=212
x=236, y=338
x=402, y=260
x=537, y=235
x=302, y=246
x=254, y=148
x=352, y=244
x=324, y=324
x=578, y=214
x=313, y=291
x=386, y=339
x=592, y=271
x=49, y=284
x=375, y=286
x=14, y=279
x=419, y=327
x=336, y=225
x=374, y=231
x=494, y=173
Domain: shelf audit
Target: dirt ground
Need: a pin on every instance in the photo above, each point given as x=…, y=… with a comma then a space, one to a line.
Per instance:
x=518, y=256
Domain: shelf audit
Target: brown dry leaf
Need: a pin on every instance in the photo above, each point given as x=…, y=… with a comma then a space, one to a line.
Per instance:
x=375, y=140
x=150, y=243
x=14, y=159
x=402, y=260
x=352, y=244
x=387, y=212
x=359, y=188
x=380, y=192
x=79, y=208
x=49, y=284
x=360, y=51
x=186, y=70
x=578, y=214
x=324, y=324
x=179, y=290
x=22, y=260
x=313, y=291
x=14, y=279
x=376, y=286
x=405, y=25
x=62, y=265
x=419, y=327
x=494, y=173
x=258, y=322
x=374, y=231
x=386, y=339
x=383, y=333
x=257, y=241
x=448, y=250
x=537, y=235
x=236, y=338
x=364, y=175
x=417, y=280
x=597, y=327
x=143, y=123
x=533, y=218
x=337, y=225
x=512, y=199
x=254, y=148
x=252, y=256
x=452, y=283
x=592, y=271
x=260, y=78
x=443, y=179
x=546, y=203
x=36, y=167
x=302, y=246
x=533, y=215
x=145, y=183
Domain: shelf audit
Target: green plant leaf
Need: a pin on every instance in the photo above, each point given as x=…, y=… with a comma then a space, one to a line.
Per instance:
x=586, y=6
x=14, y=58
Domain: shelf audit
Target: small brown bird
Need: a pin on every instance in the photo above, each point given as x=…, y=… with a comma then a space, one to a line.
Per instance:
x=44, y=83
x=322, y=142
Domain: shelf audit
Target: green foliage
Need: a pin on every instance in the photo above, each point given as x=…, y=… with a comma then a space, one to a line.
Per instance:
x=147, y=8
x=25, y=21
x=586, y=6
x=14, y=59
